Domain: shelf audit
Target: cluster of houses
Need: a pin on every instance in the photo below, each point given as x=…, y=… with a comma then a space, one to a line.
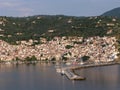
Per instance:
x=99, y=49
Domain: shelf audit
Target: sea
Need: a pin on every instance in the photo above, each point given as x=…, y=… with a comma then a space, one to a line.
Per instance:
x=43, y=76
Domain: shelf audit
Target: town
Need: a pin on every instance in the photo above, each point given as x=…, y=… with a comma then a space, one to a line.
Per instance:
x=98, y=49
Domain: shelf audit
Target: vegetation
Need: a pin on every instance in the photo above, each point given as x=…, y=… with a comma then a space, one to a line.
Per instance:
x=68, y=46
x=14, y=29
x=113, y=12
x=30, y=59
x=85, y=58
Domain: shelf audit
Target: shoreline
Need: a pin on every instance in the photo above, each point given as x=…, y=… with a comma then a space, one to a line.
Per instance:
x=30, y=62
x=59, y=62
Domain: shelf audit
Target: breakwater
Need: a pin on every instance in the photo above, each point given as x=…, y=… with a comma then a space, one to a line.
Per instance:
x=70, y=70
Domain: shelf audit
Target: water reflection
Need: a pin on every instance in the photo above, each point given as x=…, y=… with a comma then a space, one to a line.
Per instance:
x=43, y=76
x=106, y=78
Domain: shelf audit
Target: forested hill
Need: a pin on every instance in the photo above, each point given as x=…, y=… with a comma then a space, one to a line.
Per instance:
x=114, y=12
x=14, y=29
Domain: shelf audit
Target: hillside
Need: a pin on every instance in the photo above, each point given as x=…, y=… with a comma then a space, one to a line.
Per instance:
x=36, y=35
x=14, y=29
x=114, y=12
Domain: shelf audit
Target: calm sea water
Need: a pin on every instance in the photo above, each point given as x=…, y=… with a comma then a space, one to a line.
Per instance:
x=43, y=76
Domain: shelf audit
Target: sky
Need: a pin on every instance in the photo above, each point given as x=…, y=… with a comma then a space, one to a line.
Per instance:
x=20, y=8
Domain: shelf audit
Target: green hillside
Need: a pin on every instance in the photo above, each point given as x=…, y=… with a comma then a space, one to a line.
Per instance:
x=14, y=29
x=35, y=28
x=114, y=12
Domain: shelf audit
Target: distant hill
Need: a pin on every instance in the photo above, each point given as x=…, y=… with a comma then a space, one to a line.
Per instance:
x=13, y=29
x=114, y=12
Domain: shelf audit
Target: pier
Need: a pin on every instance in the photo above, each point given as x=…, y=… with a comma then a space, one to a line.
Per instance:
x=69, y=70
x=71, y=75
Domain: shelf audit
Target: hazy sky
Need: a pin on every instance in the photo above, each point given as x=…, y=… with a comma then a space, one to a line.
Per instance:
x=55, y=7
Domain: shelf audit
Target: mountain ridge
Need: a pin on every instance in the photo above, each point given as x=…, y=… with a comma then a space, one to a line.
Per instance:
x=115, y=12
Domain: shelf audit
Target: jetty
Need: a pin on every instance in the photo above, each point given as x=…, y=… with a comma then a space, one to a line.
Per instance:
x=69, y=70
x=71, y=75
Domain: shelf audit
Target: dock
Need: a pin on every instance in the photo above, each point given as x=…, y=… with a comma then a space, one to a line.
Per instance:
x=72, y=76
x=93, y=65
x=69, y=70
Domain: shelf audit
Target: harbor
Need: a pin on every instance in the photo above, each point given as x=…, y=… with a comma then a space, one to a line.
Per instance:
x=44, y=77
x=69, y=71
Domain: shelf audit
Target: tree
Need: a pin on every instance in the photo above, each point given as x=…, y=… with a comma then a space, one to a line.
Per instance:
x=85, y=58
